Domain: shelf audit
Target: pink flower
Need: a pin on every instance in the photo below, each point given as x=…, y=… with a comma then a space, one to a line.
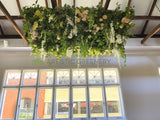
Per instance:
x=84, y=19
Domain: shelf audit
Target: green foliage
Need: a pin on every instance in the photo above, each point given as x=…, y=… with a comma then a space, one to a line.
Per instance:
x=85, y=31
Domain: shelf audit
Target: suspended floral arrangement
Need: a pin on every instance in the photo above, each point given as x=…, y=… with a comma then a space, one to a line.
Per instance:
x=65, y=31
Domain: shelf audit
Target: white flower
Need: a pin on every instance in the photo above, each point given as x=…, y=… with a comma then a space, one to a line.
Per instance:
x=58, y=38
x=123, y=37
x=34, y=34
x=74, y=31
x=95, y=25
x=70, y=36
x=35, y=46
x=97, y=29
x=69, y=20
x=50, y=18
x=112, y=34
x=43, y=54
x=116, y=54
x=69, y=52
x=119, y=39
x=57, y=47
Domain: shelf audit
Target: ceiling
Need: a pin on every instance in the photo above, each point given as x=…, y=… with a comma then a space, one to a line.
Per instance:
x=142, y=9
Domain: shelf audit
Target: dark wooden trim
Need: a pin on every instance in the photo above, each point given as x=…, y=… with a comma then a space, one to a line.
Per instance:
x=59, y=3
x=5, y=12
x=144, y=35
x=154, y=31
x=147, y=18
x=4, y=18
x=102, y=2
x=133, y=36
x=150, y=13
x=19, y=6
x=1, y=30
x=46, y=2
x=107, y=4
x=129, y=2
x=74, y=3
x=10, y=37
x=54, y=3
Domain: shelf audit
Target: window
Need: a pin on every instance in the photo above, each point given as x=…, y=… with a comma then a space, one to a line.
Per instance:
x=96, y=102
x=27, y=103
x=48, y=94
x=94, y=76
x=79, y=102
x=26, y=108
x=62, y=77
x=44, y=103
x=8, y=112
x=62, y=103
x=79, y=76
x=48, y=106
x=46, y=77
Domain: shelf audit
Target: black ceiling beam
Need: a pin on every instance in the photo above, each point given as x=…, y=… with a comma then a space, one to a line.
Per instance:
x=107, y=4
x=102, y=2
x=133, y=36
x=147, y=18
x=10, y=37
x=129, y=2
x=46, y=2
x=150, y=13
x=19, y=6
x=54, y=3
x=60, y=3
x=74, y=3
x=1, y=30
x=17, y=18
x=144, y=35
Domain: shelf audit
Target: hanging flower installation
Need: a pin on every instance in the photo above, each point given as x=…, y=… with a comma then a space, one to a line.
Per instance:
x=65, y=31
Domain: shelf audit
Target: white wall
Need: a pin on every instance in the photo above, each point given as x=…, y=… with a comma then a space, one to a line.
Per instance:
x=140, y=80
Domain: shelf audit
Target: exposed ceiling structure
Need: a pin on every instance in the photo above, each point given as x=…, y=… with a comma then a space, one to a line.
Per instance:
x=147, y=15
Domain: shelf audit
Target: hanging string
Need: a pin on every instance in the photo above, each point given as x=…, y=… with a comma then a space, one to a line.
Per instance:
x=78, y=63
x=97, y=61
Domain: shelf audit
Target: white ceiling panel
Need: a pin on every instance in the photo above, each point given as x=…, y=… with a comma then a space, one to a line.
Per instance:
x=11, y=6
x=87, y=3
x=31, y=2
x=112, y=4
x=67, y=2
x=1, y=13
x=156, y=11
x=142, y=7
x=138, y=26
x=49, y=3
